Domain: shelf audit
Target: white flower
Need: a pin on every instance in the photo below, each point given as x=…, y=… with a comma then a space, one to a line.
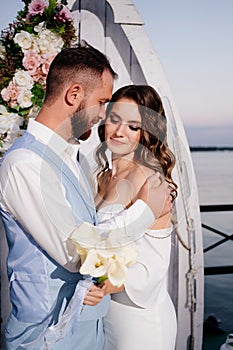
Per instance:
x=3, y=109
x=24, y=98
x=49, y=42
x=94, y=264
x=110, y=262
x=2, y=51
x=103, y=255
x=12, y=134
x=40, y=27
x=15, y=119
x=24, y=40
x=4, y=124
x=23, y=79
x=9, y=128
x=117, y=273
x=8, y=120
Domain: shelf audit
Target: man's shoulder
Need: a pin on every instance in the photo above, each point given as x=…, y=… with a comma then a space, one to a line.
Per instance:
x=16, y=157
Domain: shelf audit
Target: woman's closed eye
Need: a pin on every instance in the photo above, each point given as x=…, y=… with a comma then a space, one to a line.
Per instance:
x=114, y=119
x=134, y=127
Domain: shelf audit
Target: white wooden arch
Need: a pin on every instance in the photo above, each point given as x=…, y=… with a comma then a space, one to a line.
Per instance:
x=116, y=28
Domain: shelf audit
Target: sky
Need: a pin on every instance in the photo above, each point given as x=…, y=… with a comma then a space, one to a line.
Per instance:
x=194, y=43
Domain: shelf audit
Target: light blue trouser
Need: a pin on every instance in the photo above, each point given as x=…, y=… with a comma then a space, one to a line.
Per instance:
x=84, y=334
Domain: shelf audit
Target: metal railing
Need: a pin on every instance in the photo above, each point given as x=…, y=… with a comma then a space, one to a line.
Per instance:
x=215, y=270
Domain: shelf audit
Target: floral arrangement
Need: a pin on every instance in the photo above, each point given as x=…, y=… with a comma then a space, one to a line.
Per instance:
x=27, y=47
x=103, y=256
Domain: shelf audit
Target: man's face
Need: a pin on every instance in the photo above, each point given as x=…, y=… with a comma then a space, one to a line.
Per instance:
x=92, y=107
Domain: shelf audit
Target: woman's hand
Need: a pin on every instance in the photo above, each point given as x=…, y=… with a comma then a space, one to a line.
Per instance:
x=162, y=222
x=94, y=295
x=110, y=289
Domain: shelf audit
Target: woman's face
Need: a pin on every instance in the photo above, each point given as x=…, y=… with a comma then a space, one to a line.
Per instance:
x=123, y=127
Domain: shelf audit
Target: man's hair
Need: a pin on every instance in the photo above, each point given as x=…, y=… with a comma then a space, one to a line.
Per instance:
x=82, y=64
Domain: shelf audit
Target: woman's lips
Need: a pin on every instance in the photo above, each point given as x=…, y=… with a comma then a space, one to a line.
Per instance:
x=116, y=141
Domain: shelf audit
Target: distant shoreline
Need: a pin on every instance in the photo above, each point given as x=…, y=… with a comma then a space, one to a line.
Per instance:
x=210, y=148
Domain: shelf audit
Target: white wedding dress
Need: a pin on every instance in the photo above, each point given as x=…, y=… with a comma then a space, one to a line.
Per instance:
x=143, y=316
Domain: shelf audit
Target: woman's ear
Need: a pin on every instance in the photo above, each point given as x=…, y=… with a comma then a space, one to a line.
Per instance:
x=74, y=95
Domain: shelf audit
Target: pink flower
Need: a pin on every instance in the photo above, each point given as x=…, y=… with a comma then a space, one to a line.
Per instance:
x=10, y=93
x=5, y=95
x=36, y=7
x=46, y=64
x=37, y=75
x=41, y=71
x=31, y=61
x=64, y=15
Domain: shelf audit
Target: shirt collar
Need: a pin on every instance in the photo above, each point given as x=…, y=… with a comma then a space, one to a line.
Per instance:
x=47, y=136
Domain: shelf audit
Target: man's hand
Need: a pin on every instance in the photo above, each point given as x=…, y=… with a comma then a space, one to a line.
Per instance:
x=156, y=193
x=94, y=295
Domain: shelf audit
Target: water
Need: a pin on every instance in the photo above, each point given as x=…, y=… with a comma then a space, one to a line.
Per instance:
x=214, y=175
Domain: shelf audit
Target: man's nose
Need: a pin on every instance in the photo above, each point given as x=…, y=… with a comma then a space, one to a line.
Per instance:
x=102, y=113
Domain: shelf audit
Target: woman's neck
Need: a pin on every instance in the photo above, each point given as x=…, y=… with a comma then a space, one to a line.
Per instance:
x=122, y=165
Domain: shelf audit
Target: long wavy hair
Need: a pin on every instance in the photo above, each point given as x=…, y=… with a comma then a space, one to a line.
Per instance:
x=152, y=150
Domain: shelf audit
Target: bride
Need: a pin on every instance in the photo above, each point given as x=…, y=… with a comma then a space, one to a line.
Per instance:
x=141, y=313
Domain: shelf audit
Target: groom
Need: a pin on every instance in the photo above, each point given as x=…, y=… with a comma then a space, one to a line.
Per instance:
x=45, y=197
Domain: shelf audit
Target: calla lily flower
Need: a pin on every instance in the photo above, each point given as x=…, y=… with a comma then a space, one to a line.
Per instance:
x=103, y=255
x=117, y=273
x=94, y=264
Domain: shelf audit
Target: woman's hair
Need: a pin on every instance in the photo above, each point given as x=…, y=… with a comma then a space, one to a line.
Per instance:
x=81, y=64
x=152, y=150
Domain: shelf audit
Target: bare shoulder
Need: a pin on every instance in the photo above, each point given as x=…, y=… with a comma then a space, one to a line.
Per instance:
x=147, y=171
x=140, y=174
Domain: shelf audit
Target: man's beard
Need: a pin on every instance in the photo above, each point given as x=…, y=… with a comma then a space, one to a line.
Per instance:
x=79, y=123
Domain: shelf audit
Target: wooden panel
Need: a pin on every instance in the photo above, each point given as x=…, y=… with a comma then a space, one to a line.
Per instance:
x=125, y=12
x=136, y=74
x=117, y=64
x=118, y=38
x=92, y=30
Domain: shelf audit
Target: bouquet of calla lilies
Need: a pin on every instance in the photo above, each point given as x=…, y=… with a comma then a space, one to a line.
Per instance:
x=105, y=256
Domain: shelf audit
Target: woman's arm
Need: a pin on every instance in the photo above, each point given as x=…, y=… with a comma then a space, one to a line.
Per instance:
x=162, y=222
x=108, y=288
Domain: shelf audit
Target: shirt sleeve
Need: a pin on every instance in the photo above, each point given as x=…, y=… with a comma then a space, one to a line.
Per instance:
x=33, y=194
x=131, y=222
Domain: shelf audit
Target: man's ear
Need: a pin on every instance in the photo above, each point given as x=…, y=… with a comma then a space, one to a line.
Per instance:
x=74, y=95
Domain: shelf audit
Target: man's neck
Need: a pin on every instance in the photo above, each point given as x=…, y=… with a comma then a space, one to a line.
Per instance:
x=60, y=125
